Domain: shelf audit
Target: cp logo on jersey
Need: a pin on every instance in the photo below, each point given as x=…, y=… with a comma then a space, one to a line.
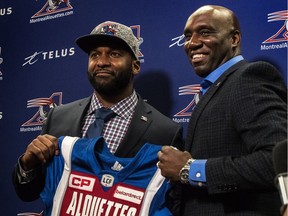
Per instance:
x=81, y=182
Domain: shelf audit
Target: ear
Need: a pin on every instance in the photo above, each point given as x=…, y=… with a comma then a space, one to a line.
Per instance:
x=136, y=67
x=236, y=38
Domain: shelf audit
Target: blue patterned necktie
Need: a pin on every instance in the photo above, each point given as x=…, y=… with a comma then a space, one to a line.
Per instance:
x=102, y=115
x=204, y=85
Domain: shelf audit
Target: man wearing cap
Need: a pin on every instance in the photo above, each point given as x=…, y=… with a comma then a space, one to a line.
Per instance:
x=113, y=62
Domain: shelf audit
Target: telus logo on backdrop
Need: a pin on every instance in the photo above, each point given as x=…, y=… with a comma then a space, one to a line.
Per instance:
x=48, y=55
x=5, y=11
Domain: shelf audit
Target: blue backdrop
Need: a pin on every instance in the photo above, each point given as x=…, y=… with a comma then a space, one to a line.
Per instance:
x=41, y=65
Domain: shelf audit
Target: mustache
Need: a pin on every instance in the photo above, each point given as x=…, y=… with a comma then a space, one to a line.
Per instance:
x=94, y=73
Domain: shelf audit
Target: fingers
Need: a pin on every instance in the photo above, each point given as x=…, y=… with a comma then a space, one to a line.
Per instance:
x=40, y=151
x=54, y=140
x=166, y=163
x=167, y=152
x=171, y=161
x=50, y=142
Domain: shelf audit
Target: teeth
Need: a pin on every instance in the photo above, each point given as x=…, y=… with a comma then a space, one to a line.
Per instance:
x=198, y=56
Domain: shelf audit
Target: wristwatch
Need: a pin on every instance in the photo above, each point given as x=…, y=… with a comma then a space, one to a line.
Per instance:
x=184, y=172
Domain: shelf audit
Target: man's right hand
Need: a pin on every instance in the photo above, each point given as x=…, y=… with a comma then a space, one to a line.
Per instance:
x=39, y=152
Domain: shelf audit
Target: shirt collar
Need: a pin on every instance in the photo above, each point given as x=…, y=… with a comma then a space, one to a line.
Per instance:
x=214, y=75
x=123, y=108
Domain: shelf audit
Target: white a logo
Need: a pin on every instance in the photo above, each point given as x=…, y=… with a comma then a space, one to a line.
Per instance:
x=117, y=166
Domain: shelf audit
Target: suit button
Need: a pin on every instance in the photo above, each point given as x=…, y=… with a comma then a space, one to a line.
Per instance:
x=227, y=187
x=222, y=187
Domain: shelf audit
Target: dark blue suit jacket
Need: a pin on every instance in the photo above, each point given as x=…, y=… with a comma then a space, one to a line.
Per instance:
x=235, y=126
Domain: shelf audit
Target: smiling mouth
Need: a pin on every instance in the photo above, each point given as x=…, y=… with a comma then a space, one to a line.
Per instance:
x=196, y=58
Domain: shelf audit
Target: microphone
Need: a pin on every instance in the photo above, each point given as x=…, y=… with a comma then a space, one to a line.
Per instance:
x=280, y=165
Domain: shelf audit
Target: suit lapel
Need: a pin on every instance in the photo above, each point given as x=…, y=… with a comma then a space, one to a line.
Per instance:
x=140, y=122
x=204, y=102
x=77, y=114
x=81, y=108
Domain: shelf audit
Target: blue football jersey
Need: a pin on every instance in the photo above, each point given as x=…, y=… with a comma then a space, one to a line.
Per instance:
x=87, y=180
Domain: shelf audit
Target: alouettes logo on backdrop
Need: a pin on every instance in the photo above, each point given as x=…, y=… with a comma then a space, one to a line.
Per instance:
x=43, y=105
x=53, y=6
x=282, y=34
x=184, y=114
x=189, y=90
x=61, y=7
x=279, y=39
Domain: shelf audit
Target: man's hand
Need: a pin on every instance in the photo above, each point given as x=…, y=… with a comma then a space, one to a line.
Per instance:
x=39, y=152
x=171, y=162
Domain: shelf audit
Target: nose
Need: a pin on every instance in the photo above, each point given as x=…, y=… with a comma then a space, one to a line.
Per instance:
x=103, y=61
x=193, y=43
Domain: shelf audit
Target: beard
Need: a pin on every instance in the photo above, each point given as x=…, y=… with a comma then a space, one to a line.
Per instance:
x=113, y=84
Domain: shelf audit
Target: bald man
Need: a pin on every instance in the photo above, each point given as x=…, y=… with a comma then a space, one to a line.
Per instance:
x=242, y=112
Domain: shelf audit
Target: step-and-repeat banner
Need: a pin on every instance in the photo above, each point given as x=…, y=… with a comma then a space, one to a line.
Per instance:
x=41, y=66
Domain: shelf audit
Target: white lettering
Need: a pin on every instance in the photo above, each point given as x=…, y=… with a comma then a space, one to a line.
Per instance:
x=9, y=10
x=79, y=205
x=181, y=120
x=117, y=207
x=5, y=11
x=51, y=55
x=71, y=51
x=72, y=206
x=123, y=210
x=28, y=129
x=49, y=17
x=58, y=53
x=274, y=46
x=101, y=208
x=109, y=206
x=88, y=205
x=131, y=211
